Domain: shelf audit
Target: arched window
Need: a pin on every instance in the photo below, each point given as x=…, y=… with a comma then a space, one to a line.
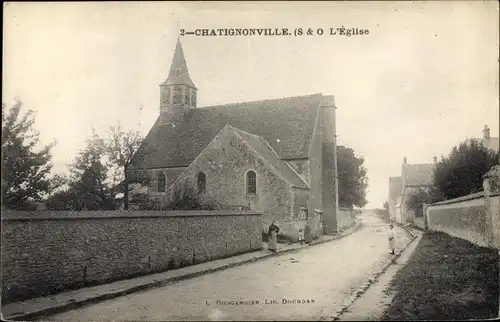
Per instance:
x=177, y=95
x=162, y=182
x=251, y=181
x=202, y=181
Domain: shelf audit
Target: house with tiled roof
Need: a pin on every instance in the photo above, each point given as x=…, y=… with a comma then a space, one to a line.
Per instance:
x=277, y=156
x=416, y=176
x=413, y=177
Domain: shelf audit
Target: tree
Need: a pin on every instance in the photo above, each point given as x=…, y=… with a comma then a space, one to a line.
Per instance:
x=88, y=185
x=24, y=170
x=461, y=172
x=418, y=197
x=386, y=205
x=120, y=148
x=352, y=178
x=63, y=200
x=90, y=176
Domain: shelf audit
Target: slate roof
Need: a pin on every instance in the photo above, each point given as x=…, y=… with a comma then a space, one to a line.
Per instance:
x=291, y=120
x=179, y=74
x=418, y=174
x=395, y=187
x=283, y=168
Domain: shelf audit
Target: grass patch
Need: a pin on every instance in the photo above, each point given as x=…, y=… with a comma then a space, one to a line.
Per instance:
x=446, y=278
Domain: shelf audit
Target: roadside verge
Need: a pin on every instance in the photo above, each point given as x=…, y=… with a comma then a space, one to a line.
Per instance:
x=446, y=278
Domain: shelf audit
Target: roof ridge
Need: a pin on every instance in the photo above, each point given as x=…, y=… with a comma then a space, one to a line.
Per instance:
x=238, y=132
x=259, y=101
x=284, y=162
x=294, y=118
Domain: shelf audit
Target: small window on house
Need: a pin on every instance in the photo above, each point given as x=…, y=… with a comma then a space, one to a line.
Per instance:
x=201, y=182
x=251, y=181
x=162, y=182
x=177, y=95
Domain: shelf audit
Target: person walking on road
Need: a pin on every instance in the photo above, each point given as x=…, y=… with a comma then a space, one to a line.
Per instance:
x=273, y=231
x=392, y=238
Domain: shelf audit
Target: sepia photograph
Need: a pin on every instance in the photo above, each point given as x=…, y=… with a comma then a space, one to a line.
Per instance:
x=250, y=160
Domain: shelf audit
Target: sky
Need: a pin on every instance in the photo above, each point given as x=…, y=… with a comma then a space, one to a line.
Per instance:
x=425, y=78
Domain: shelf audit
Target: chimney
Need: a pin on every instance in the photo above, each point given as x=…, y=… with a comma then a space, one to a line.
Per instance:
x=435, y=159
x=486, y=132
x=404, y=160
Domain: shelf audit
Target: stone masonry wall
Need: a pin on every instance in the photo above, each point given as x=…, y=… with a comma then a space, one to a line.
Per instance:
x=315, y=170
x=46, y=252
x=329, y=182
x=345, y=218
x=494, y=212
x=463, y=217
x=302, y=168
x=419, y=222
x=225, y=162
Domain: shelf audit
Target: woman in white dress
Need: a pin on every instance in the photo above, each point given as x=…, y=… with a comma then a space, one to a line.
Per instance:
x=392, y=238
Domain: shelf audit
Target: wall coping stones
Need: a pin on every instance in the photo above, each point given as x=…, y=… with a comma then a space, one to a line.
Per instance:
x=472, y=196
x=13, y=215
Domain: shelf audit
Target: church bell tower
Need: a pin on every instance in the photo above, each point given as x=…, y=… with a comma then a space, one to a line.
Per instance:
x=178, y=92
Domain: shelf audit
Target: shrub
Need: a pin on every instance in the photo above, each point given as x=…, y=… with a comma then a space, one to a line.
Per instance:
x=184, y=196
x=417, y=198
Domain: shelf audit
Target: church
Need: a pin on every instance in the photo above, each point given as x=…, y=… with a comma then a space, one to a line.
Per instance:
x=276, y=156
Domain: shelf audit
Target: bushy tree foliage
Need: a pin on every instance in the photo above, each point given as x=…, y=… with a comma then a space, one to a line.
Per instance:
x=88, y=184
x=120, y=147
x=352, y=179
x=25, y=171
x=418, y=197
x=184, y=195
x=461, y=172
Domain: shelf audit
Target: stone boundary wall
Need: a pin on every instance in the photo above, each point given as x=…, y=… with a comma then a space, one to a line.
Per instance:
x=45, y=252
x=419, y=222
x=345, y=219
x=465, y=217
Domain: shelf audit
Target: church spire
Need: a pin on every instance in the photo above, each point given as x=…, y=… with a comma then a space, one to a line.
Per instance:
x=179, y=74
x=178, y=92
